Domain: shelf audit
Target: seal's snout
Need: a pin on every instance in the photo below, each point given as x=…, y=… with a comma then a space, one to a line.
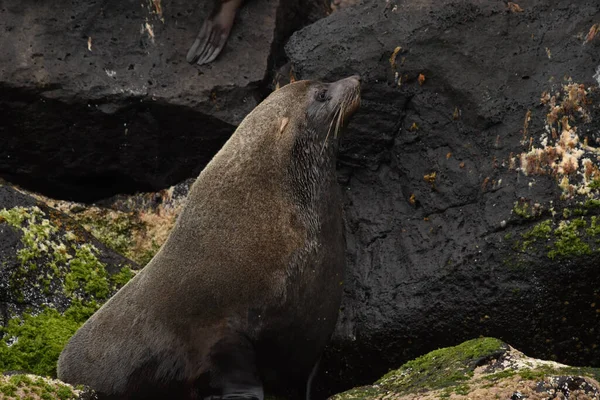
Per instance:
x=344, y=100
x=349, y=89
x=352, y=81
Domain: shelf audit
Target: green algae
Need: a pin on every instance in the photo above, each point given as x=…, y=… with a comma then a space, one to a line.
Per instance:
x=45, y=258
x=122, y=277
x=525, y=211
x=32, y=388
x=568, y=240
x=33, y=342
x=87, y=274
x=594, y=184
x=360, y=393
x=439, y=369
x=592, y=203
x=540, y=231
x=594, y=229
x=14, y=216
x=542, y=371
x=451, y=371
x=36, y=232
x=500, y=375
x=127, y=233
x=442, y=367
x=114, y=230
x=51, y=262
x=8, y=389
x=575, y=237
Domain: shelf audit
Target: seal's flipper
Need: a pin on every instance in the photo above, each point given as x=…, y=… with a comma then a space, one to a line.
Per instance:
x=214, y=32
x=233, y=373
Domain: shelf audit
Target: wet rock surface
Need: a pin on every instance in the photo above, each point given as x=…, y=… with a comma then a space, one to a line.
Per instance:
x=469, y=178
x=100, y=100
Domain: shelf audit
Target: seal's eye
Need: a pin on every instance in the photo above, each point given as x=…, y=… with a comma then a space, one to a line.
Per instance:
x=322, y=95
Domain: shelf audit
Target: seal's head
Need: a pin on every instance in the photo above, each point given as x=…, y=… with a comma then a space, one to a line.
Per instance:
x=313, y=111
x=333, y=103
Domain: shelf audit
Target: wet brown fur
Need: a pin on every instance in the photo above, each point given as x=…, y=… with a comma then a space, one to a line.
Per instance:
x=255, y=261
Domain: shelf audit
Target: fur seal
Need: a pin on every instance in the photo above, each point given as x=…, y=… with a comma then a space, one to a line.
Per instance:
x=244, y=294
x=214, y=32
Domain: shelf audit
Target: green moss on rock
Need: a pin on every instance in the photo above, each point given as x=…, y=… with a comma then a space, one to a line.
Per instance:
x=487, y=365
x=539, y=232
x=592, y=203
x=33, y=342
x=136, y=235
x=594, y=229
x=568, y=240
x=56, y=284
x=436, y=370
x=442, y=367
x=122, y=277
x=34, y=388
x=574, y=237
x=87, y=274
x=113, y=229
x=526, y=211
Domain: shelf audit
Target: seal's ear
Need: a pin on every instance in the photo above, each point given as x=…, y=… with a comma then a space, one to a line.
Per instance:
x=284, y=123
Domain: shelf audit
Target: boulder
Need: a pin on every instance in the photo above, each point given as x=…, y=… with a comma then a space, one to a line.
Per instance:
x=470, y=175
x=53, y=276
x=100, y=100
x=480, y=369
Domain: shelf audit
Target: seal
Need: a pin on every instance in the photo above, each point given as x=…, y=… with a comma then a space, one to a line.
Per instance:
x=214, y=32
x=244, y=295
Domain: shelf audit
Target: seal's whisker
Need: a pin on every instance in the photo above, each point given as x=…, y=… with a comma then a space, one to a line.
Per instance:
x=339, y=119
x=328, y=131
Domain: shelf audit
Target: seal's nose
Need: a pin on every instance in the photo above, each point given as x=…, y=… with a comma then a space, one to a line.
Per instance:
x=357, y=77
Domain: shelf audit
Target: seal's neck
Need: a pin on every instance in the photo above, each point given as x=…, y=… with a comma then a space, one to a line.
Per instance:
x=312, y=168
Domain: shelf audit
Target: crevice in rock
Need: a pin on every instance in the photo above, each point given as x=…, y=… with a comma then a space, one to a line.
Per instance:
x=84, y=152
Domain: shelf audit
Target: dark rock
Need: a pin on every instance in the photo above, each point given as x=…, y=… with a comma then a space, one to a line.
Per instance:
x=451, y=233
x=99, y=99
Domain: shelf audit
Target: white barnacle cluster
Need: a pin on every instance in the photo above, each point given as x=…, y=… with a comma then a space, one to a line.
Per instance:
x=560, y=150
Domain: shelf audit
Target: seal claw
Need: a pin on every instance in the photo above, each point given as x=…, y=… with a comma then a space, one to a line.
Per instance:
x=214, y=33
x=213, y=46
x=200, y=42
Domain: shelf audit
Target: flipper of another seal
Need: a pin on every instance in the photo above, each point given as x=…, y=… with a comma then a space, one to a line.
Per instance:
x=214, y=32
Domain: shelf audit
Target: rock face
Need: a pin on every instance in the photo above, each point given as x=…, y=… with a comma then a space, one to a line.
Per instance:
x=481, y=369
x=53, y=276
x=100, y=99
x=471, y=171
x=471, y=177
